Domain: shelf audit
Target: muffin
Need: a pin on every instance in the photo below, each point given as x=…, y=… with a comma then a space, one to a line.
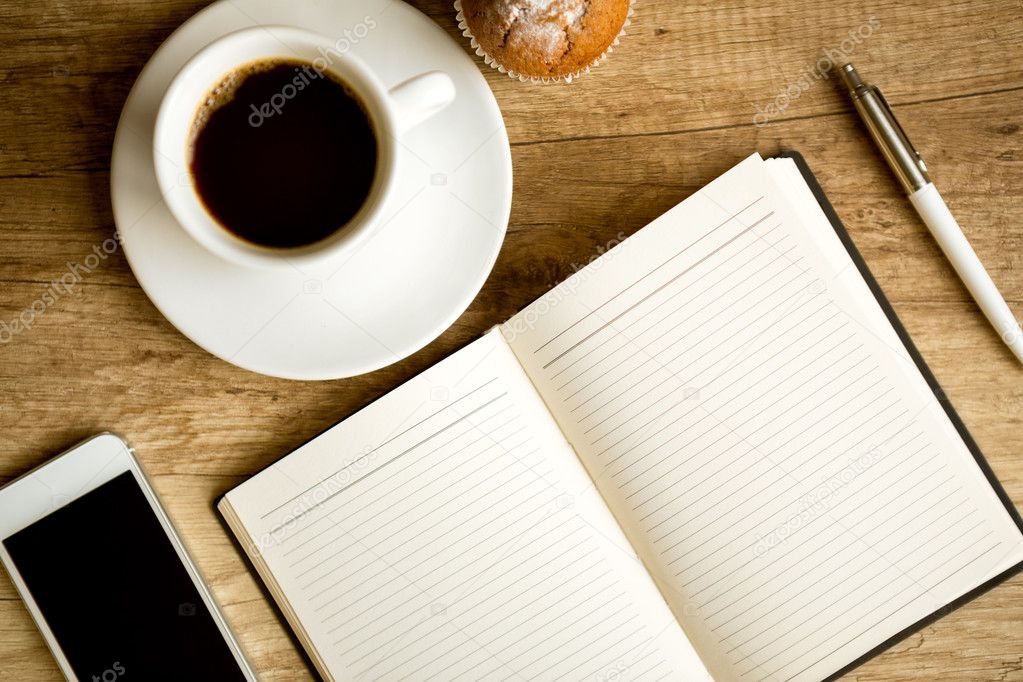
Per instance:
x=543, y=40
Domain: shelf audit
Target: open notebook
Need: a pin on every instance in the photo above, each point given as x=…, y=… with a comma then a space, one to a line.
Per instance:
x=712, y=453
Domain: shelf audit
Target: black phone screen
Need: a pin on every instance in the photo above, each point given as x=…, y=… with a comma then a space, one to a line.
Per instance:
x=115, y=594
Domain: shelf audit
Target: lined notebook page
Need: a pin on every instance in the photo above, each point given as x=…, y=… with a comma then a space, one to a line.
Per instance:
x=447, y=532
x=760, y=433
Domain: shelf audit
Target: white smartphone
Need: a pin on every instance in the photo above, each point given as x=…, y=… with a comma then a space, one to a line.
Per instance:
x=106, y=577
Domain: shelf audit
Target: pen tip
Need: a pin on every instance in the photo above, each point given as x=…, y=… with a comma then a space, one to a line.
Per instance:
x=850, y=77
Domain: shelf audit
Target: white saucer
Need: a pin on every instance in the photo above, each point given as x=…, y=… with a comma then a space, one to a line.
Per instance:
x=396, y=294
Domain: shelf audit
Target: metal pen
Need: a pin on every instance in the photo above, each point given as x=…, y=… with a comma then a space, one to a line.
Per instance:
x=911, y=171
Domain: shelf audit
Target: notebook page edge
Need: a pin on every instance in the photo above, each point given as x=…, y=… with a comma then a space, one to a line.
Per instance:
x=790, y=180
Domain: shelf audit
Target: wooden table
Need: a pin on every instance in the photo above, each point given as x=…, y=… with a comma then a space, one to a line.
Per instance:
x=694, y=87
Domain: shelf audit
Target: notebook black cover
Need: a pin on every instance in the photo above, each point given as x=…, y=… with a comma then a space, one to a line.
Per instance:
x=875, y=288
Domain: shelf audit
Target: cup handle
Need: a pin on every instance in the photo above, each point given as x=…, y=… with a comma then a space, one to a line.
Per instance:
x=421, y=97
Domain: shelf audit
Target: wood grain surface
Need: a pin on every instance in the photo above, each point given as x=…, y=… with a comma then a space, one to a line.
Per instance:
x=694, y=87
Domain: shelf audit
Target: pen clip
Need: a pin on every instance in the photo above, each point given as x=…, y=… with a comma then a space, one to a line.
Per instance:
x=894, y=122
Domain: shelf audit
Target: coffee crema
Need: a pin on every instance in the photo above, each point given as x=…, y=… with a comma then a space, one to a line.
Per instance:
x=283, y=155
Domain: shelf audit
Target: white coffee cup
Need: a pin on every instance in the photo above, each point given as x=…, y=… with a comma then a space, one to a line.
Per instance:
x=392, y=111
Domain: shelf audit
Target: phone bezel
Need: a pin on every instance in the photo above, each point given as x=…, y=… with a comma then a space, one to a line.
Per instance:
x=68, y=476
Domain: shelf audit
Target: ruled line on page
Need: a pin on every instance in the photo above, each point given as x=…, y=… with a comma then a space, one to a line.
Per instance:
x=672, y=486
x=676, y=255
x=651, y=357
x=444, y=474
x=649, y=436
x=383, y=466
x=347, y=504
x=466, y=430
x=876, y=623
x=728, y=432
x=690, y=456
x=808, y=571
x=449, y=459
x=607, y=323
x=586, y=572
x=605, y=632
x=692, y=500
x=764, y=457
x=848, y=563
x=669, y=441
x=567, y=598
x=936, y=487
x=748, y=513
x=387, y=538
x=768, y=519
x=518, y=667
x=815, y=601
x=947, y=577
x=451, y=570
x=621, y=331
x=533, y=631
x=671, y=298
x=393, y=438
x=504, y=451
x=545, y=579
x=856, y=540
x=730, y=589
x=593, y=586
x=365, y=609
x=671, y=374
x=557, y=529
x=663, y=366
x=463, y=537
x=781, y=556
x=666, y=365
x=404, y=512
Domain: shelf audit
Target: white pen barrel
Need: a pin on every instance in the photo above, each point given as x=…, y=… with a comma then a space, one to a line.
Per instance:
x=953, y=242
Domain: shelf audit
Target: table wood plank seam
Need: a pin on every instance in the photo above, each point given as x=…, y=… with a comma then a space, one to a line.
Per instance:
x=774, y=121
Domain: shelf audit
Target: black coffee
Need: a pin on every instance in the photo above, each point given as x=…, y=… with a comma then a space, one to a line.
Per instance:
x=283, y=155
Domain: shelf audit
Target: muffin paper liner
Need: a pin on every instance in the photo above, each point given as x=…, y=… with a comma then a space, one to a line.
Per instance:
x=526, y=78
